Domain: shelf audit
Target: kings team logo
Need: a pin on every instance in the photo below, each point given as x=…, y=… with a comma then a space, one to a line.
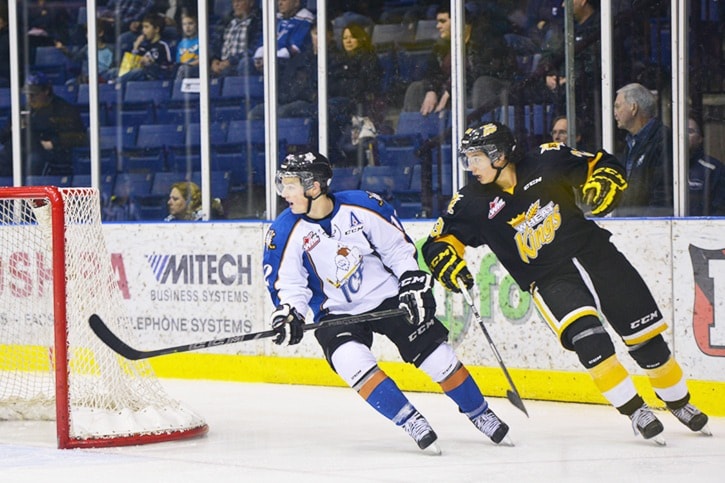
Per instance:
x=708, y=314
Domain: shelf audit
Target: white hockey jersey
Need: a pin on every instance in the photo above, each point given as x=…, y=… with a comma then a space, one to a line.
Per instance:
x=346, y=263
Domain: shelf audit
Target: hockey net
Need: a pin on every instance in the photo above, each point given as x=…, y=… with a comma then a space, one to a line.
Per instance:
x=55, y=271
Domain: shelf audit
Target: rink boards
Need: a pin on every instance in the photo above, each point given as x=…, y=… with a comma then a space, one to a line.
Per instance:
x=194, y=282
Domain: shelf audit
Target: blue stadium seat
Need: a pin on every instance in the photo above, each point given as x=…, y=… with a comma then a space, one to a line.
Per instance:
x=345, y=178
x=5, y=99
x=52, y=62
x=217, y=134
x=6, y=181
x=186, y=157
x=228, y=113
x=140, y=94
x=414, y=122
x=149, y=152
x=386, y=180
x=295, y=131
x=237, y=89
x=84, y=180
x=140, y=183
x=108, y=94
x=246, y=131
x=141, y=101
x=413, y=65
x=69, y=92
x=151, y=136
x=220, y=183
x=162, y=183
x=60, y=181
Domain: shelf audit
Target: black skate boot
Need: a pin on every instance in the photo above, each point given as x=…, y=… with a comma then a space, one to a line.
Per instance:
x=419, y=429
x=490, y=425
x=644, y=422
x=693, y=418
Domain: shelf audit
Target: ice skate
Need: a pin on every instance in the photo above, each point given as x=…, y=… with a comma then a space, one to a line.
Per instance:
x=644, y=422
x=419, y=429
x=693, y=418
x=490, y=425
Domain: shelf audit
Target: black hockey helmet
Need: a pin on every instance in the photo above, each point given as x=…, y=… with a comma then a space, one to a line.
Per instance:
x=492, y=138
x=309, y=167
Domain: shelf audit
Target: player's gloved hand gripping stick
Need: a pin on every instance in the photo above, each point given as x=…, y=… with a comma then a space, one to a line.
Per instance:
x=513, y=394
x=120, y=347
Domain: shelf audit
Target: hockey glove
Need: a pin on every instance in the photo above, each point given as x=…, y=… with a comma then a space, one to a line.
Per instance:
x=448, y=267
x=285, y=317
x=416, y=296
x=601, y=191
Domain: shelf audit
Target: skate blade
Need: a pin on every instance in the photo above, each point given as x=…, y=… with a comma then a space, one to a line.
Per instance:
x=706, y=431
x=433, y=449
x=506, y=441
x=658, y=440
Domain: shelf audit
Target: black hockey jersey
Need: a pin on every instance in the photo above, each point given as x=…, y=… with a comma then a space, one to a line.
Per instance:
x=537, y=225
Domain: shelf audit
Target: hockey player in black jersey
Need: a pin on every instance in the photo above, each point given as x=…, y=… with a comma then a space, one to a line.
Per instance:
x=523, y=207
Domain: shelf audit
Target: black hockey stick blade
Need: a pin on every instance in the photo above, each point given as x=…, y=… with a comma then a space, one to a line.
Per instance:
x=511, y=394
x=120, y=347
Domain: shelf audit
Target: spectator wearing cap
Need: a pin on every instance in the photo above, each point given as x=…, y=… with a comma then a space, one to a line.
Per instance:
x=50, y=130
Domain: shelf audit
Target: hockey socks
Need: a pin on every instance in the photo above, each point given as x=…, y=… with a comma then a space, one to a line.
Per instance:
x=385, y=397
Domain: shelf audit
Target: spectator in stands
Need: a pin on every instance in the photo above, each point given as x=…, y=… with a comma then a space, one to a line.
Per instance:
x=648, y=154
x=4, y=47
x=126, y=17
x=354, y=87
x=122, y=205
x=46, y=24
x=185, y=203
x=297, y=82
x=79, y=55
x=706, y=176
x=156, y=60
x=490, y=66
x=560, y=131
x=547, y=88
x=50, y=131
x=587, y=64
x=242, y=35
x=293, y=31
x=187, y=51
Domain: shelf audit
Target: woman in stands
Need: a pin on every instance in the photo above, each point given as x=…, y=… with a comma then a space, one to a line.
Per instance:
x=185, y=203
x=354, y=88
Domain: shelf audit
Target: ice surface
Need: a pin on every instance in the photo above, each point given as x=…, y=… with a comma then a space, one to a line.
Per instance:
x=266, y=432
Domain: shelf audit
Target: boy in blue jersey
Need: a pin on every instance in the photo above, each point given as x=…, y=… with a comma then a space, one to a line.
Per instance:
x=187, y=51
x=348, y=254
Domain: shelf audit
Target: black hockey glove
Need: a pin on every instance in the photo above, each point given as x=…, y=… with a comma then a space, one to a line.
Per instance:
x=448, y=267
x=283, y=317
x=416, y=296
x=601, y=191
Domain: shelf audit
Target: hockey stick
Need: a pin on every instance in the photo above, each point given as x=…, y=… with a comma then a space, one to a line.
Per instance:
x=512, y=394
x=120, y=347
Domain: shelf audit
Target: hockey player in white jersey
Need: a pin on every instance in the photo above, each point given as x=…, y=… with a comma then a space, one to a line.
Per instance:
x=348, y=254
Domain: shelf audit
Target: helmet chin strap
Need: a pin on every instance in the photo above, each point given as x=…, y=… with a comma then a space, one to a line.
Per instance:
x=310, y=199
x=498, y=169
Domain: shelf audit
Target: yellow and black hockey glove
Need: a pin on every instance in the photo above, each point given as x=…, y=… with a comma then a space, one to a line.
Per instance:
x=447, y=266
x=601, y=191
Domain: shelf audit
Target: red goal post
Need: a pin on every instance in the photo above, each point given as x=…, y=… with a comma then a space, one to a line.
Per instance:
x=55, y=271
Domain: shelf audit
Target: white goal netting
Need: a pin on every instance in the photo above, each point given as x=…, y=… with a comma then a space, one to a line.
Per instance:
x=55, y=271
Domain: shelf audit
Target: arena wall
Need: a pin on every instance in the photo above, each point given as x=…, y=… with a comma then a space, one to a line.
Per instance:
x=195, y=282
